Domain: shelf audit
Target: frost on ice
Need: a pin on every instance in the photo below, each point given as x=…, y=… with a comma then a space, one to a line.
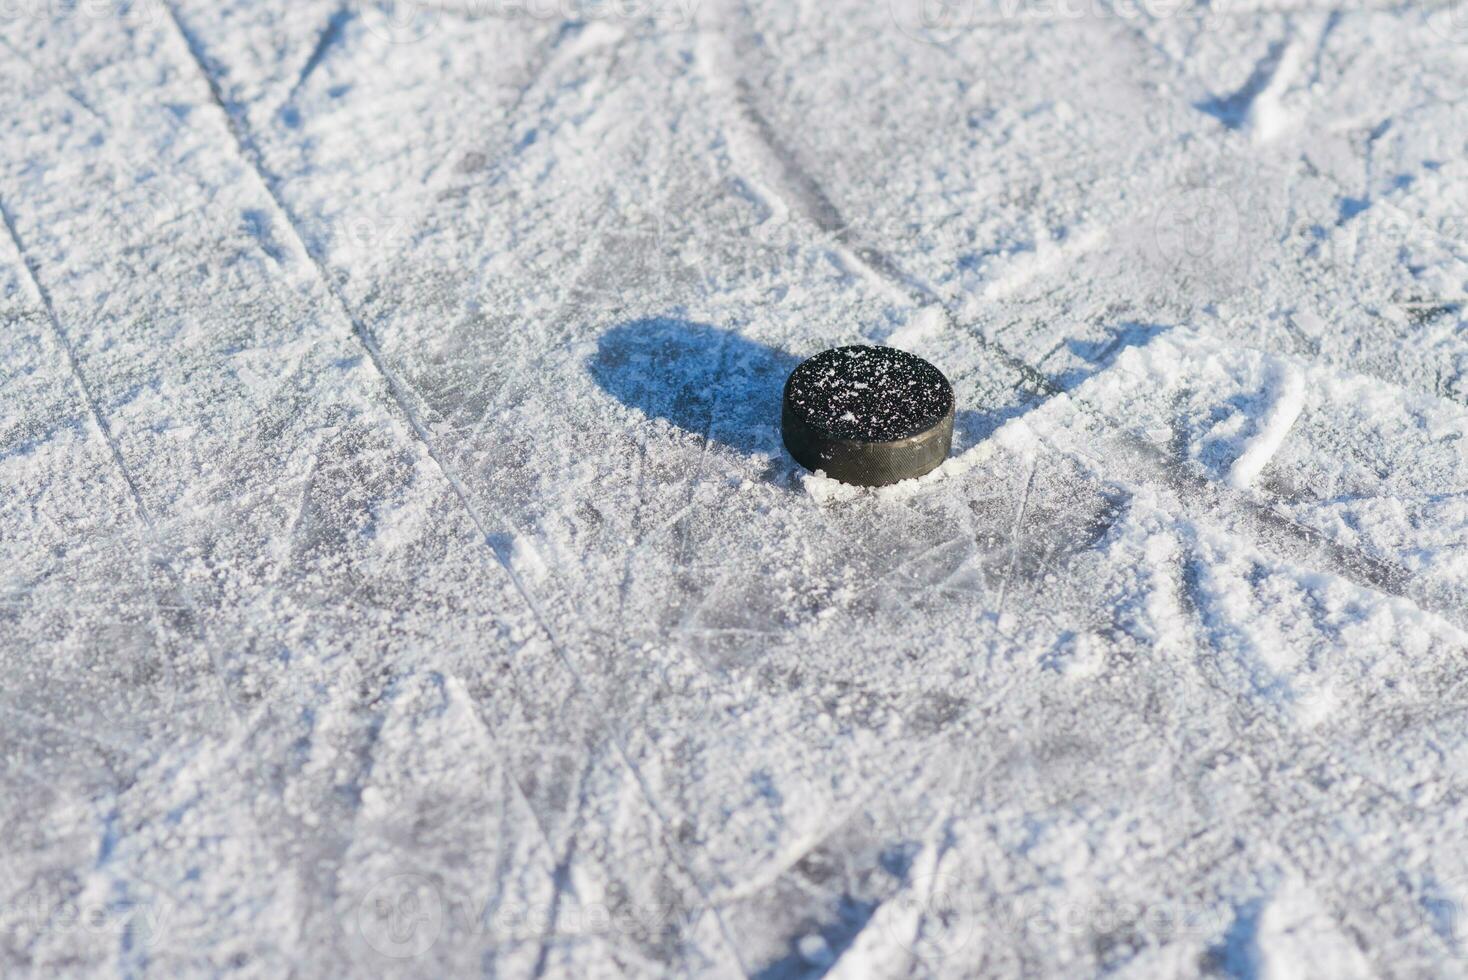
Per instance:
x=401, y=574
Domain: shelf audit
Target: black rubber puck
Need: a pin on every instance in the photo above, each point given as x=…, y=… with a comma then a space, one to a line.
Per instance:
x=868, y=415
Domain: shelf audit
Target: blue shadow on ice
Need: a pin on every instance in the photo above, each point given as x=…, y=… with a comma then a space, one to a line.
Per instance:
x=685, y=372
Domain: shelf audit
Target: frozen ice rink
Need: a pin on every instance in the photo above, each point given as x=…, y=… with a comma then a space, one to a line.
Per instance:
x=401, y=573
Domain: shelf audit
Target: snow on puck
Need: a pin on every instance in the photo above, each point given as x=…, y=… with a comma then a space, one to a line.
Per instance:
x=870, y=416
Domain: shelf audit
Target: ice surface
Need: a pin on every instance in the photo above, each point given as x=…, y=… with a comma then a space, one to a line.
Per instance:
x=402, y=574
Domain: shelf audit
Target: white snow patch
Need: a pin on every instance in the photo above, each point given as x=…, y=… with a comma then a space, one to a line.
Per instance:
x=1297, y=937
x=923, y=325
x=1287, y=385
x=1268, y=117
x=1048, y=255
x=825, y=490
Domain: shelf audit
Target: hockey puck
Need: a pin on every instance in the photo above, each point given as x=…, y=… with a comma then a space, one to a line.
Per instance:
x=868, y=415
